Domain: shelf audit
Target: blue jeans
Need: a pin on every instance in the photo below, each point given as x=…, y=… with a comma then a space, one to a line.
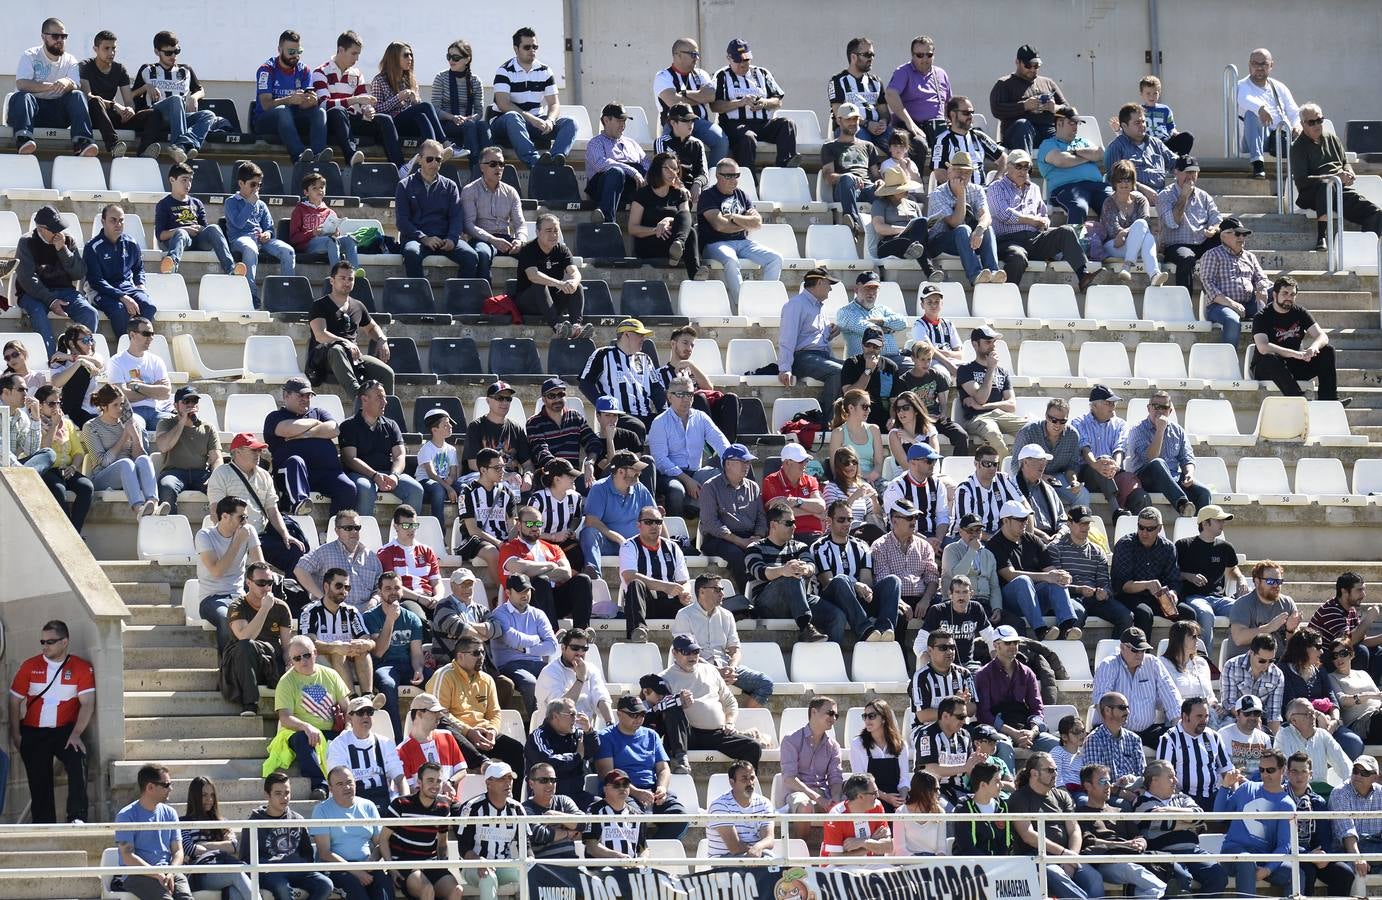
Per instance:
x=236, y=882
x=335, y=246
x=309, y=764
x=1156, y=478
x=523, y=673
x=594, y=545
x=715, y=140
x=1067, y=496
x=1023, y=134
x=463, y=255
x=1084, y=884
x=1081, y=199
x=174, y=481
x=820, y=364
x=213, y=609
x=379, y=889
x=281, y=884
x=1349, y=742
x=366, y=493
x=1211, y=876
x=386, y=681
x=209, y=238
x=27, y=111
x=250, y=250
x=1230, y=321
x=754, y=684
x=186, y=130
x=956, y=240
x=1144, y=883
x=472, y=136
x=1257, y=138
x=286, y=123
x=149, y=414
x=40, y=461
x=512, y=129
x=1026, y=598
x=839, y=606
x=435, y=497
x=420, y=121
x=609, y=188
x=77, y=308
x=119, y=316
x=134, y=476
x=1245, y=873
x=1206, y=609
x=299, y=482
x=728, y=253
x=849, y=190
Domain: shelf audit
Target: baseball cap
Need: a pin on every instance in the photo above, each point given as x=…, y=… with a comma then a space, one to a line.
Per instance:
x=633, y=325
x=655, y=683
x=928, y=289
x=737, y=451
x=427, y=703
x=1014, y=509
x=685, y=643
x=1135, y=638
x=969, y=520
x=984, y=333
x=1019, y=156
x=817, y=274
x=1213, y=512
x=1006, y=634
x=1184, y=164
x=298, y=385
x=366, y=701
x=1099, y=392
x=1249, y=703
x=246, y=441
x=922, y=451
x=627, y=459
x=1033, y=451
x=847, y=111
x=739, y=50
x=607, y=404
x=873, y=336
x=1080, y=514
x=1028, y=54
x=905, y=509
x=49, y=218
x=869, y=277
x=631, y=704
x=795, y=452
x=462, y=575
x=518, y=582
x=553, y=384
x=1366, y=761
x=1233, y=223
x=615, y=776
x=499, y=387
x=186, y=392
x=434, y=416
x=614, y=111
x=986, y=733
x=681, y=112
x=497, y=769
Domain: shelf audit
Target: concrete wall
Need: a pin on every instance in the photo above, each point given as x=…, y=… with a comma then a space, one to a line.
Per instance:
x=47, y=573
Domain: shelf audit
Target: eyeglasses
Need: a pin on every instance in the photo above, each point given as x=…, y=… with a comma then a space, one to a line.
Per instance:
x=543, y=780
x=256, y=184
x=1159, y=407
x=1342, y=653
x=1149, y=529
x=431, y=159
x=923, y=55
x=1274, y=582
x=493, y=164
x=48, y=642
x=1031, y=65
x=166, y=785
x=508, y=399
x=832, y=714
x=407, y=526
x=455, y=57
x=1104, y=782
x=407, y=56
x=262, y=582
x=730, y=175
x=528, y=47
x=365, y=713
x=1311, y=122
x=86, y=339
x=988, y=464
x=340, y=586
x=295, y=52
x=649, y=521
x=1047, y=770
x=903, y=408
x=171, y=51
x=554, y=395
x=1121, y=707
x=347, y=527
x=1023, y=166
x=1269, y=771
x=1265, y=660
x=945, y=648
x=1054, y=421
x=301, y=656
x=683, y=394
x=577, y=648
x=56, y=35
x=694, y=54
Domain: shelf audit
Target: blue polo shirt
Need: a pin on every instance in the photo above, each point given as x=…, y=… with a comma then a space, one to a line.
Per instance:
x=1056, y=176
x=637, y=754
x=618, y=511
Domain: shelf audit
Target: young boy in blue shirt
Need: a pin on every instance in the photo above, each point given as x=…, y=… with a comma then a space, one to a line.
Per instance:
x=250, y=227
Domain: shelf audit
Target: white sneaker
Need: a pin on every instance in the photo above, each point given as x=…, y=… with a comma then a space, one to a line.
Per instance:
x=119, y=150
x=28, y=146
x=983, y=277
x=356, y=158
x=177, y=154
x=1160, y=278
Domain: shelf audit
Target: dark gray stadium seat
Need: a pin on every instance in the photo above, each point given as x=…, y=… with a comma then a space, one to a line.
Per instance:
x=515, y=359
x=599, y=302
x=284, y=229
x=752, y=417
x=568, y=358
x=335, y=183
x=363, y=291
x=411, y=298
x=466, y=296
x=455, y=360
x=406, y=363
x=645, y=299
x=425, y=404
x=603, y=244
x=374, y=181
x=287, y=294
x=225, y=109
x=207, y=177
x=393, y=410
x=554, y=187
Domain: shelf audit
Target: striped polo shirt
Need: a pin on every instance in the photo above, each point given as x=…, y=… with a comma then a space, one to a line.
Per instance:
x=527, y=89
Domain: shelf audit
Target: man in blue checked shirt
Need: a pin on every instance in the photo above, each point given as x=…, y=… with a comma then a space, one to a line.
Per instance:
x=863, y=312
x=1161, y=458
x=678, y=438
x=523, y=637
x=1103, y=444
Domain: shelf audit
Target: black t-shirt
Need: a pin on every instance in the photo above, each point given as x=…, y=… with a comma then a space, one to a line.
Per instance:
x=105, y=85
x=973, y=372
x=882, y=386
x=963, y=627
x=1027, y=555
x=1026, y=800
x=624, y=439
x=733, y=204
x=342, y=321
x=857, y=158
x=552, y=264
x=506, y=437
x=373, y=446
x=1198, y=557
x=656, y=208
x=1283, y=329
x=928, y=386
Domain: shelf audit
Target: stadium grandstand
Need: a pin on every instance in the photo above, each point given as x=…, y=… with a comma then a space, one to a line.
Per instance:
x=679, y=478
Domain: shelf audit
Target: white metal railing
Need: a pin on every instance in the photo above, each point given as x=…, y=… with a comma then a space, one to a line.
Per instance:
x=1231, y=124
x=1334, y=222
x=1379, y=279
x=524, y=860
x=1284, y=183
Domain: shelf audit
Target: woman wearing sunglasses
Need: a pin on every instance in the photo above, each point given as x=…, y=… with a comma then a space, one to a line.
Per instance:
x=17, y=363
x=116, y=441
x=880, y=750
x=459, y=98
x=75, y=371
x=64, y=439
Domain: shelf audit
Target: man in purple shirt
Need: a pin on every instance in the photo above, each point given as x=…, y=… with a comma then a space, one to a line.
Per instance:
x=614, y=164
x=917, y=94
x=810, y=758
x=1009, y=698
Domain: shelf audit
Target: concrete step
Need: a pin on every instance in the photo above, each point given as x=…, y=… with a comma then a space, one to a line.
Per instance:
x=130, y=569
x=173, y=705
x=1313, y=300
x=1370, y=377
x=179, y=635
x=123, y=772
x=171, y=727
x=241, y=809
x=142, y=592
x=200, y=679
x=1238, y=184
x=26, y=887
x=156, y=614
x=1247, y=203
x=192, y=746
x=1336, y=319
x=171, y=658
x=246, y=789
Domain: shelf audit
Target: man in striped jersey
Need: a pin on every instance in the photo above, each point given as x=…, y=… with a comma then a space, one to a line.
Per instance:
x=685, y=82
x=962, y=135
x=624, y=837
x=1196, y=753
x=746, y=96
x=492, y=840
x=342, y=92
x=940, y=678
x=844, y=567
x=558, y=432
x=526, y=112
x=653, y=572
x=420, y=843
x=781, y=576
x=944, y=748
x=920, y=487
x=484, y=513
x=623, y=371
x=983, y=493
x=338, y=632
x=856, y=85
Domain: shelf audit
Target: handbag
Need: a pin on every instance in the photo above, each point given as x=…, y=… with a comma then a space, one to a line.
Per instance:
x=294, y=529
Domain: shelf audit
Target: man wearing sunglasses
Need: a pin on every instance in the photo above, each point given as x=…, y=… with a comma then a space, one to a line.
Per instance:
x=52, y=700
x=471, y=696
x=191, y=448
x=1266, y=610
x=168, y=92
x=493, y=212
x=1160, y=456
x=1267, y=842
x=1025, y=102
x=1105, y=834
x=1235, y=286
x=858, y=86
x=286, y=105
x=397, y=632
x=141, y=374
x=1265, y=106
x=652, y=569
x=1316, y=835
x=372, y=760
x=1317, y=155
x=727, y=216
x=262, y=626
x=746, y=96
x=1189, y=220
x=918, y=95
x=339, y=633
x=557, y=592
x=48, y=93
x=525, y=112
x=1022, y=225
x=1146, y=574
x=155, y=847
x=684, y=82
x=223, y=549
x=678, y=439
x=26, y=425
x=543, y=798
x=1143, y=685
x=305, y=700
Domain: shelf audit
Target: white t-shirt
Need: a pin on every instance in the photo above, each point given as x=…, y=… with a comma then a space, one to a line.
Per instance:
x=35, y=65
x=1245, y=749
x=149, y=368
x=372, y=768
x=442, y=458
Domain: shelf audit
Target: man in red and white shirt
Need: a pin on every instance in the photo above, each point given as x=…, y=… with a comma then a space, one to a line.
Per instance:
x=791, y=485
x=416, y=564
x=342, y=92
x=426, y=742
x=58, y=694
x=858, y=838
x=557, y=591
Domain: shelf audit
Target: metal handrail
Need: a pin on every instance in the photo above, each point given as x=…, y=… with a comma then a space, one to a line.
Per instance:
x=1334, y=223
x=1379, y=281
x=1284, y=183
x=5, y=444
x=1231, y=133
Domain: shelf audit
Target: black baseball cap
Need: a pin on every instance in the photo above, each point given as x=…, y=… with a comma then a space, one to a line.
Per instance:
x=1100, y=392
x=1187, y=164
x=869, y=277
x=631, y=704
x=614, y=111
x=1233, y=223
x=187, y=392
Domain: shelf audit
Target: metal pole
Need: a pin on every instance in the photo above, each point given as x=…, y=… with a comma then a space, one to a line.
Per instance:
x=1041, y=857
x=526, y=861
x=1334, y=251
x=252, y=835
x=1282, y=175
x=1231, y=111
x=1379, y=281
x=1154, y=35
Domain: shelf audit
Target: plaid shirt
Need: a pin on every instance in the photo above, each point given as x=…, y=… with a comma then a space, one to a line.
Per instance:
x=1175, y=450
x=1007, y=201
x=1236, y=679
x=915, y=564
x=1122, y=755
x=1236, y=277
x=1345, y=799
x=942, y=204
x=1200, y=213
x=363, y=566
x=1065, y=451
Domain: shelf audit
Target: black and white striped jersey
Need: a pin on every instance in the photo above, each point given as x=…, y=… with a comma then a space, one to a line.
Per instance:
x=757, y=82
x=489, y=507
x=321, y=624
x=930, y=687
x=628, y=379
x=1199, y=762
x=526, y=90
x=691, y=81
x=663, y=562
x=971, y=497
x=845, y=559
x=627, y=835
x=565, y=514
x=493, y=840
x=863, y=92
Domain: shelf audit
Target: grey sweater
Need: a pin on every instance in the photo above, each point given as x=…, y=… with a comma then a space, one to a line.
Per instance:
x=42, y=269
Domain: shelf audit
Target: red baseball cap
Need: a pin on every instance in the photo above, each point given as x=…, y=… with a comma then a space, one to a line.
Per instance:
x=245, y=440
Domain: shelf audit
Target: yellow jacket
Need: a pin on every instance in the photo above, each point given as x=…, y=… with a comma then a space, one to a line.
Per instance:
x=472, y=699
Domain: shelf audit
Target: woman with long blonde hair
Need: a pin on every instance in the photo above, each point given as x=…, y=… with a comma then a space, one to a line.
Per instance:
x=850, y=427
x=396, y=95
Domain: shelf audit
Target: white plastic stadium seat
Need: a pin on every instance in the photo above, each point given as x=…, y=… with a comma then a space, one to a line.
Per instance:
x=1089, y=130
x=1163, y=365
x=1359, y=252
x=1031, y=408
x=759, y=718
x=1075, y=657
x=782, y=240
x=833, y=245
x=1047, y=363
x=159, y=347
x=189, y=360
x=1169, y=305
x=1212, y=472
x=1329, y=425
x=82, y=178
x=1112, y=303
x=1218, y=364
x=169, y=294
x=10, y=232
x=637, y=127
x=138, y=178
x=1214, y=422
x=370, y=535
x=877, y=662
x=134, y=227
x=683, y=787
x=809, y=134
x=1001, y=304
x=271, y=357
x=332, y=405
x=1265, y=479
x=784, y=408
x=630, y=662
x=707, y=357
x=1055, y=304
x=309, y=531
x=761, y=302
x=581, y=116
x=818, y=663
x=167, y=539
x=703, y=300
x=225, y=296
x=1283, y=419
x=23, y=180
x=744, y=355
x=517, y=414
x=1326, y=482
x=247, y=412
x=1106, y=362
x=789, y=189
x=1367, y=477
x=764, y=657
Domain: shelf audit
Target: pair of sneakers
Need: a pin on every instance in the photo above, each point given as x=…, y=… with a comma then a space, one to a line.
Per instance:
x=26, y=146
x=573, y=330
